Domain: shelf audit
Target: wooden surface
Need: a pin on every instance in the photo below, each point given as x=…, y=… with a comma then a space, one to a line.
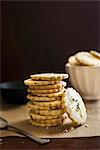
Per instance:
x=90, y=128
x=15, y=143
x=22, y=143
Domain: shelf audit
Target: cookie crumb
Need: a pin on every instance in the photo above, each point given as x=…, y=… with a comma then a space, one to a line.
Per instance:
x=66, y=131
x=47, y=128
x=70, y=129
x=86, y=125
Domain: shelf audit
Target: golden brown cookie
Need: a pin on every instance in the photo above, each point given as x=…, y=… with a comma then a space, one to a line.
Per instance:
x=59, y=85
x=37, y=124
x=34, y=82
x=35, y=107
x=49, y=76
x=42, y=117
x=42, y=98
x=50, y=104
x=61, y=93
x=49, y=121
x=49, y=112
x=35, y=92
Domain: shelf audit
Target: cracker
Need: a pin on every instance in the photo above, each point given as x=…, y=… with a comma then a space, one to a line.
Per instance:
x=59, y=85
x=87, y=59
x=49, y=76
x=33, y=82
x=73, y=61
x=96, y=54
x=37, y=124
x=75, y=107
x=42, y=98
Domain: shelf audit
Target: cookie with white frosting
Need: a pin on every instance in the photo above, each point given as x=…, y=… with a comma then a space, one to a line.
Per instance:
x=75, y=106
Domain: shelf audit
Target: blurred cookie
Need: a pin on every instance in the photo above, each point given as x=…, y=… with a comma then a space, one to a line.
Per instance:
x=73, y=61
x=75, y=107
x=87, y=59
x=49, y=77
x=96, y=54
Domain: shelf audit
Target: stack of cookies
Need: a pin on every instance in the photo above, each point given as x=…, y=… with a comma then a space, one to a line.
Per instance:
x=47, y=96
x=51, y=103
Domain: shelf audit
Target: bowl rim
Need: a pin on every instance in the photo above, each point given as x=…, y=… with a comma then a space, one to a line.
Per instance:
x=76, y=66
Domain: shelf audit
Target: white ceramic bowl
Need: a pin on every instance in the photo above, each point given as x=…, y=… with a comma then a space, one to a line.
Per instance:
x=86, y=80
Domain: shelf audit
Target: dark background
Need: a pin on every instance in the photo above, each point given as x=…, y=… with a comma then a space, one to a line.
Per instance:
x=39, y=36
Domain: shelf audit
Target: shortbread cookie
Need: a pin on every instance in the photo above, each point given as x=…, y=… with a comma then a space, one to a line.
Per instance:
x=36, y=107
x=58, y=104
x=58, y=112
x=87, y=59
x=73, y=61
x=35, y=92
x=49, y=104
x=45, y=124
x=61, y=93
x=59, y=85
x=33, y=82
x=96, y=54
x=49, y=76
x=75, y=107
x=42, y=117
x=49, y=121
x=42, y=98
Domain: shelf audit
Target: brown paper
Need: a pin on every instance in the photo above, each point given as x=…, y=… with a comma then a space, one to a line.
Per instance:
x=18, y=117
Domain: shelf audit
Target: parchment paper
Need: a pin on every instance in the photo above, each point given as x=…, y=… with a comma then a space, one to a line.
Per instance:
x=17, y=115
